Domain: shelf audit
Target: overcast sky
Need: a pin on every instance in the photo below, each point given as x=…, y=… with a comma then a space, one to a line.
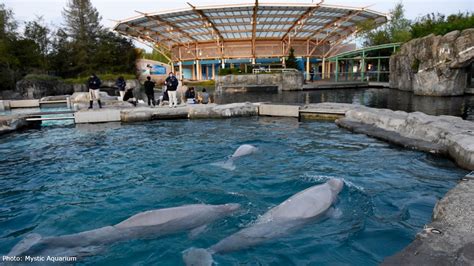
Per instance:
x=50, y=10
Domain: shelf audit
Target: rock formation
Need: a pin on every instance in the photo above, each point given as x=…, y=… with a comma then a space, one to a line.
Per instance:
x=434, y=65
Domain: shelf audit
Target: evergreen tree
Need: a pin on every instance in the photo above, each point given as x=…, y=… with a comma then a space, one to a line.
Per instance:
x=291, y=60
x=84, y=29
x=82, y=21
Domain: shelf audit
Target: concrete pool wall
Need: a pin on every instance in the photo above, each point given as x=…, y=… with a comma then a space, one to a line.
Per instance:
x=447, y=240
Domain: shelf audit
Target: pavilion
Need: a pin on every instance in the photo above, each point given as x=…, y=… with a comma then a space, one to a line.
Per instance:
x=200, y=40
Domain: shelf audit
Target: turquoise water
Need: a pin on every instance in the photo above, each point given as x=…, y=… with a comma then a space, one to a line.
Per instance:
x=62, y=180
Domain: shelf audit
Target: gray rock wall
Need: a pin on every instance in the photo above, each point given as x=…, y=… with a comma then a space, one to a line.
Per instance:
x=451, y=134
x=283, y=81
x=36, y=89
x=434, y=65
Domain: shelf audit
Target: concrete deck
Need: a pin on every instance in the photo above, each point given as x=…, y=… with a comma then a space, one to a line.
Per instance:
x=323, y=85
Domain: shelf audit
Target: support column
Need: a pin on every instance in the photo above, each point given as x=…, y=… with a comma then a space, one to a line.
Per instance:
x=193, y=71
x=323, y=74
x=207, y=72
x=283, y=62
x=378, y=70
x=222, y=63
x=351, y=69
x=307, y=68
x=198, y=70
x=329, y=70
x=180, y=65
x=336, y=71
x=362, y=67
x=213, y=71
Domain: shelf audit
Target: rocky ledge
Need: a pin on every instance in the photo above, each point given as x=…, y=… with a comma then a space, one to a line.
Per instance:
x=189, y=111
x=13, y=123
x=446, y=135
x=449, y=238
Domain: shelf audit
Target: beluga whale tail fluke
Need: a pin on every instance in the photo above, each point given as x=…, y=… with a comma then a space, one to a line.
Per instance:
x=243, y=150
x=300, y=209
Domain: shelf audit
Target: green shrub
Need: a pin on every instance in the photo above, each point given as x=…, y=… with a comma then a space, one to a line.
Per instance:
x=229, y=71
x=107, y=76
x=415, y=65
x=43, y=77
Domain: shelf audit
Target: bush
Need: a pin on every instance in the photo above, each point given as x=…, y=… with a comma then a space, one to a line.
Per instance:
x=229, y=71
x=107, y=76
x=42, y=77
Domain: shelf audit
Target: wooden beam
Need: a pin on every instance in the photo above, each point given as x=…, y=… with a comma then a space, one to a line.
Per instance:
x=141, y=30
x=154, y=46
x=340, y=20
x=248, y=17
x=339, y=42
x=304, y=16
x=206, y=18
x=254, y=27
x=173, y=27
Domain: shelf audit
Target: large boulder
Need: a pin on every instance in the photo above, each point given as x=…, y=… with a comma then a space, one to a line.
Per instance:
x=434, y=65
x=35, y=89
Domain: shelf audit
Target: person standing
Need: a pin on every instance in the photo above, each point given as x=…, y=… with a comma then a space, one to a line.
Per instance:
x=121, y=84
x=311, y=73
x=172, y=85
x=94, y=93
x=150, y=90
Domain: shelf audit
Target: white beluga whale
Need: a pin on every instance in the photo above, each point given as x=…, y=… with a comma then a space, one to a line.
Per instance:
x=298, y=210
x=243, y=150
x=149, y=224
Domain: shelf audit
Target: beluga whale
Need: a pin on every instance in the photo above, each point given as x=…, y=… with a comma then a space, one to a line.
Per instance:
x=243, y=150
x=295, y=212
x=144, y=225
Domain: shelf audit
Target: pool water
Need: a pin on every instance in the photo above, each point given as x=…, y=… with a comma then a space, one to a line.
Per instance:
x=62, y=180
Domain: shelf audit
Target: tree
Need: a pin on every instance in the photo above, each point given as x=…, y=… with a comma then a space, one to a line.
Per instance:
x=291, y=60
x=397, y=29
x=84, y=29
x=82, y=21
x=8, y=25
x=39, y=33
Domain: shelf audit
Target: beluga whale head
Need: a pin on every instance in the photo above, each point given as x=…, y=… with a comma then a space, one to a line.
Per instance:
x=335, y=185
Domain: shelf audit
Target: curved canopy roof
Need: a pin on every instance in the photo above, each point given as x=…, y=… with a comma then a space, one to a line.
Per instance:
x=258, y=21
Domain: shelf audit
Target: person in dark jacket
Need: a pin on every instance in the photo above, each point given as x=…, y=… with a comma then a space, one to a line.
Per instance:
x=149, y=90
x=190, y=95
x=121, y=84
x=128, y=97
x=172, y=85
x=94, y=85
x=311, y=74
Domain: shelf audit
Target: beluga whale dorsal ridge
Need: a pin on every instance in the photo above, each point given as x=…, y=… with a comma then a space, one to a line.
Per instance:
x=242, y=150
x=295, y=212
x=148, y=224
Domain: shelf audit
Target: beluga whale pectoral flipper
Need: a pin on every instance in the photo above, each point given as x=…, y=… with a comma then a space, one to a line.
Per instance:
x=149, y=224
x=242, y=150
x=295, y=212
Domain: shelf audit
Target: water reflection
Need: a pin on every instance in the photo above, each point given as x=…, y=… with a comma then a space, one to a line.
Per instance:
x=373, y=97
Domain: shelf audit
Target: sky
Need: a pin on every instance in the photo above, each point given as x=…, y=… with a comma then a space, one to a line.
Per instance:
x=110, y=10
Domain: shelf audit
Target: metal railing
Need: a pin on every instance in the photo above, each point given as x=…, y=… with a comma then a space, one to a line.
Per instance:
x=272, y=70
